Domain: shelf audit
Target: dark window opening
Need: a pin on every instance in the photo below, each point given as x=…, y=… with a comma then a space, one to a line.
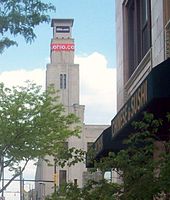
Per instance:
x=63, y=81
x=138, y=30
x=166, y=11
x=75, y=181
x=62, y=177
x=89, y=145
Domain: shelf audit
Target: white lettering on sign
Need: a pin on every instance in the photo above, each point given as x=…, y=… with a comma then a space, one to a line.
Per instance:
x=62, y=29
x=62, y=47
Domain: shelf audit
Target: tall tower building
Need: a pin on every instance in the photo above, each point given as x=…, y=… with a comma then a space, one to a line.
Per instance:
x=62, y=72
x=64, y=75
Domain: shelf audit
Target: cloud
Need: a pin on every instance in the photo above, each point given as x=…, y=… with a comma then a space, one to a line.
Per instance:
x=18, y=77
x=97, y=86
x=97, y=91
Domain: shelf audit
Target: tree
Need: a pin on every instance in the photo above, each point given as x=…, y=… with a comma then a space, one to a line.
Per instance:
x=93, y=190
x=32, y=125
x=20, y=17
x=145, y=165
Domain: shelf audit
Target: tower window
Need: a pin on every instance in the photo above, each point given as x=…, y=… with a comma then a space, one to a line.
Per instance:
x=63, y=81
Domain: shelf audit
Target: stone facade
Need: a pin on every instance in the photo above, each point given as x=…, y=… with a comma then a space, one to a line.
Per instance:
x=158, y=52
x=64, y=74
x=155, y=54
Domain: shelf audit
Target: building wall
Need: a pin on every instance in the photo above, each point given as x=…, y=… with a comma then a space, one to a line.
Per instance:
x=62, y=62
x=67, y=96
x=154, y=56
x=119, y=53
x=45, y=172
x=157, y=32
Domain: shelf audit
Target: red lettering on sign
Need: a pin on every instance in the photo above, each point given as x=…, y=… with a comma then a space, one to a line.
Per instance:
x=62, y=47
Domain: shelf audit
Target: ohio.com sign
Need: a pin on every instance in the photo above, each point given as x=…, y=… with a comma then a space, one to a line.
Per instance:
x=62, y=47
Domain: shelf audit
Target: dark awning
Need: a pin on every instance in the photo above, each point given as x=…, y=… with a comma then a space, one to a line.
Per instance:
x=152, y=95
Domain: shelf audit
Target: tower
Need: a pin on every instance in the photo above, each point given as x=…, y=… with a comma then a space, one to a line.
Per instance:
x=62, y=72
x=64, y=75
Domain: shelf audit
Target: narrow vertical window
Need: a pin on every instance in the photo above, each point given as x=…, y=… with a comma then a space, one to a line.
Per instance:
x=166, y=11
x=145, y=27
x=131, y=37
x=75, y=181
x=62, y=177
x=137, y=27
x=65, y=81
x=167, y=27
x=144, y=10
x=89, y=145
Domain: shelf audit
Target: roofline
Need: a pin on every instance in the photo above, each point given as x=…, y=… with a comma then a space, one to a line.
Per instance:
x=61, y=20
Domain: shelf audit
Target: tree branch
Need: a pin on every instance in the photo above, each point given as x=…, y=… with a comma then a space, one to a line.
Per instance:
x=15, y=176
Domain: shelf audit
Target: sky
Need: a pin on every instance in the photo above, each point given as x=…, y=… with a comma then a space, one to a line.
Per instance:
x=93, y=30
x=95, y=52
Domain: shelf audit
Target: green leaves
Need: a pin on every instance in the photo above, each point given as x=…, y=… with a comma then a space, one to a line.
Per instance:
x=5, y=43
x=69, y=156
x=93, y=190
x=34, y=124
x=19, y=17
x=144, y=166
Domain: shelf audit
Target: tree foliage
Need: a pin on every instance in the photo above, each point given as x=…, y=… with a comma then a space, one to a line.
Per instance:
x=143, y=167
x=20, y=17
x=145, y=164
x=93, y=190
x=32, y=124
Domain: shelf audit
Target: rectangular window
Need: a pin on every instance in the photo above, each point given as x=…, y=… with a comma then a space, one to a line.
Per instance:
x=75, y=181
x=137, y=32
x=166, y=11
x=145, y=27
x=63, y=81
x=89, y=144
x=62, y=177
x=144, y=8
x=167, y=27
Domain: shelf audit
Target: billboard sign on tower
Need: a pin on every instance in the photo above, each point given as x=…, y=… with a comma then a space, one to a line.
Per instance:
x=62, y=47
